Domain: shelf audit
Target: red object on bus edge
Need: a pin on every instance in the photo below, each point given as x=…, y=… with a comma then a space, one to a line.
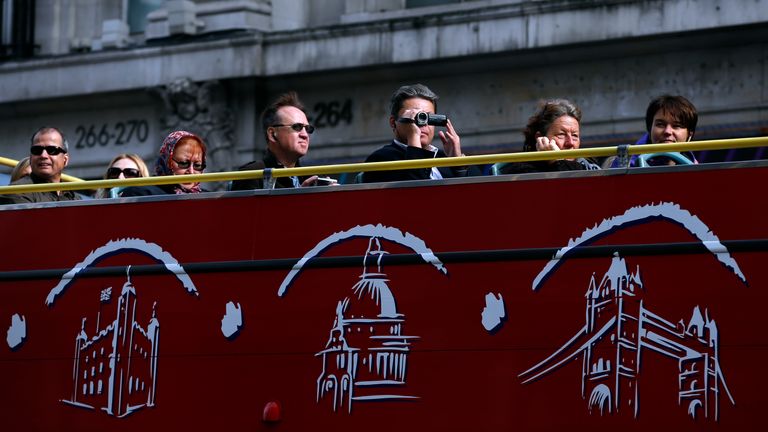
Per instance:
x=271, y=412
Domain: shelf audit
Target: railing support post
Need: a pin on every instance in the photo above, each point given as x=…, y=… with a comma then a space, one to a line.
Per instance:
x=268, y=181
x=623, y=155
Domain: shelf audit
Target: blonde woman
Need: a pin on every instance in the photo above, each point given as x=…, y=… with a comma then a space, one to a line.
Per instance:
x=123, y=166
x=22, y=169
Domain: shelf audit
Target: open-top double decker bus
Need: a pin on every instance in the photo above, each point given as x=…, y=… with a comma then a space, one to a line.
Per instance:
x=602, y=300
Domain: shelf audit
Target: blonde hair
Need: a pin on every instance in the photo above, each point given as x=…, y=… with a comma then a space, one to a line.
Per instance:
x=143, y=171
x=20, y=170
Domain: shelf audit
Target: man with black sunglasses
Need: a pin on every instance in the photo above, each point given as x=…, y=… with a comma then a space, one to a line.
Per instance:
x=413, y=140
x=48, y=155
x=287, y=132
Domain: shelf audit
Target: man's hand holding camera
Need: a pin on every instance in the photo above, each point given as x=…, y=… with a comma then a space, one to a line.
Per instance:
x=414, y=123
x=451, y=140
x=407, y=127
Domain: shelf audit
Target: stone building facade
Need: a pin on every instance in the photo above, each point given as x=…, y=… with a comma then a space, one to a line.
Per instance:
x=117, y=75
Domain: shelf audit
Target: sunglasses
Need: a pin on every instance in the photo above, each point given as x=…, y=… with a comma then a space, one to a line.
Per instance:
x=114, y=173
x=298, y=127
x=197, y=166
x=37, y=150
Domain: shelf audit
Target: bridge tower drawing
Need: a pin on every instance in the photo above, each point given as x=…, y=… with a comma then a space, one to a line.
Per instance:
x=366, y=355
x=617, y=331
x=612, y=307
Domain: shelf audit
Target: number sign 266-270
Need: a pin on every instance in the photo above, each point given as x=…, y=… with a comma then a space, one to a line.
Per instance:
x=118, y=134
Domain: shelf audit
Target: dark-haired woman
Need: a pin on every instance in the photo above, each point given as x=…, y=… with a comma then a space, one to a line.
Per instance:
x=554, y=126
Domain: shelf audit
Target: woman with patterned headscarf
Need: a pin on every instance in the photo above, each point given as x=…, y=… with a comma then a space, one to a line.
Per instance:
x=182, y=153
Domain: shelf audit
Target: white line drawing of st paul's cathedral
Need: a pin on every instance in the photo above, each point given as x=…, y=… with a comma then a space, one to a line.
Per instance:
x=618, y=329
x=366, y=355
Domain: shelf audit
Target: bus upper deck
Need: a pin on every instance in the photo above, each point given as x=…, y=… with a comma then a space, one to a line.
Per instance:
x=626, y=298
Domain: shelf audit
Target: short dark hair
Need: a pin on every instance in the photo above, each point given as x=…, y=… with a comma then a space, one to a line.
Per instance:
x=408, y=92
x=47, y=129
x=546, y=114
x=681, y=109
x=269, y=115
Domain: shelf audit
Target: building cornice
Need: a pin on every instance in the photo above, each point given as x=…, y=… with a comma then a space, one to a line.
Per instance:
x=373, y=40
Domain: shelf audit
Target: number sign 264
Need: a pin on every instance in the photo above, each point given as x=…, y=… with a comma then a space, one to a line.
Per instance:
x=330, y=114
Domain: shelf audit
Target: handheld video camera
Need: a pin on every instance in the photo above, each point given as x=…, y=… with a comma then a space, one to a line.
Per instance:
x=423, y=119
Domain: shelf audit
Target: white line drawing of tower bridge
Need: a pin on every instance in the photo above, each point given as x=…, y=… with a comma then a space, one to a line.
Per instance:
x=618, y=329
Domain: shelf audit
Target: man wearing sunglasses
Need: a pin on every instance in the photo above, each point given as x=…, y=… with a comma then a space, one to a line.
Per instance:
x=48, y=155
x=287, y=132
x=412, y=141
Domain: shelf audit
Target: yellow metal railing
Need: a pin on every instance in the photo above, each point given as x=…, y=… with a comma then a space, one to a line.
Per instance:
x=396, y=165
x=12, y=163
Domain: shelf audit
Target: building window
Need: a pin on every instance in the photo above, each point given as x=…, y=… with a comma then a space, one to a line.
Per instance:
x=137, y=13
x=17, y=28
x=422, y=3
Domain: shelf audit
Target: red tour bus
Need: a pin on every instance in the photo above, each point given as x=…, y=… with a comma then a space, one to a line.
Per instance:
x=601, y=301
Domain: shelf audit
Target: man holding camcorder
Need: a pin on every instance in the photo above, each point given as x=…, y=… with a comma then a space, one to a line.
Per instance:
x=413, y=120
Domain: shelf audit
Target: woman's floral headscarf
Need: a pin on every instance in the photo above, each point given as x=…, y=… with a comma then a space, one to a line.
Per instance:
x=163, y=167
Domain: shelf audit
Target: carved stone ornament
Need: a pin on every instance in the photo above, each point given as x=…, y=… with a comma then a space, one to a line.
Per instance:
x=200, y=108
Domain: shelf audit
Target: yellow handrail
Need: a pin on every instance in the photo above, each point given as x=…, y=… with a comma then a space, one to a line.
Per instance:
x=396, y=165
x=12, y=163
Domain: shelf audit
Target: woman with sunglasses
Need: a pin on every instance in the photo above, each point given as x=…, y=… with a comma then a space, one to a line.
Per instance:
x=123, y=166
x=182, y=153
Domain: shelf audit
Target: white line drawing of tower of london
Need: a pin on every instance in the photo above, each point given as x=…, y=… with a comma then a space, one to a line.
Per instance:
x=618, y=323
x=116, y=369
x=367, y=350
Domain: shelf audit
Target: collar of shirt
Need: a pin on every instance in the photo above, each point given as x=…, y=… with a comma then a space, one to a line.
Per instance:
x=431, y=148
x=434, y=173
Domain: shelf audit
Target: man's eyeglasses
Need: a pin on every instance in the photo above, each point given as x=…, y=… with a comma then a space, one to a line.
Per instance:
x=37, y=150
x=197, y=166
x=114, y=173
x=298, y=127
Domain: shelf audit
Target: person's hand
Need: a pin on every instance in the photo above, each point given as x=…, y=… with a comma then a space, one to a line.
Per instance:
x=310, y=181
x=545, y=144
x=451, y=140
x=406, y=125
